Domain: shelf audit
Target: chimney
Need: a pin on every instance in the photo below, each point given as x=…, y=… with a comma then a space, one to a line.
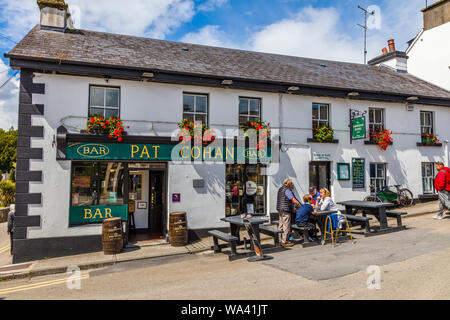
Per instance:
x=394, y=60
x=55, y=15
x=436, y=14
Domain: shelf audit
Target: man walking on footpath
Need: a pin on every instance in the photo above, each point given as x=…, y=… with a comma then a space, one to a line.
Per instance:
x=11, y=225
x=285, y=207
x=442, y=185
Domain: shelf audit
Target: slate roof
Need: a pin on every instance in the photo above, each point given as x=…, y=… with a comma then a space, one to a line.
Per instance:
x=98, y=48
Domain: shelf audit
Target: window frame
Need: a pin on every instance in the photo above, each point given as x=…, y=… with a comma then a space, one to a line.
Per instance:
x=119, y=107
x=259, y=117
x=431, y=126
x=432, y=165
x=374, y=123
x=328, y=120
x=195, y=94
x=384, y=178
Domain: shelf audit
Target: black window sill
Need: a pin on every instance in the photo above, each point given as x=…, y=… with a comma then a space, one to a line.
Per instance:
x=374, y=143
x=312, y=140
x=420, y=144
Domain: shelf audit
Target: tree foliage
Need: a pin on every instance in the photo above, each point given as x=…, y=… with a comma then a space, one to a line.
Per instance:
x=8, y=149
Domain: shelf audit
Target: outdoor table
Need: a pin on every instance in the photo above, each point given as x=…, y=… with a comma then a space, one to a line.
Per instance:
x=321, y=218
x=236, y=222
x=378, y=209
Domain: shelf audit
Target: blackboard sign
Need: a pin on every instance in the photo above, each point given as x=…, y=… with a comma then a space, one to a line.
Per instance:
x=358, y=173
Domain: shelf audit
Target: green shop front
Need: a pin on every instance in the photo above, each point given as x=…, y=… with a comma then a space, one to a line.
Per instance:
x=130, y=179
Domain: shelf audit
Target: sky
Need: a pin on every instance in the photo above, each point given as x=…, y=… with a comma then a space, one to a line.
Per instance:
x=323, y=29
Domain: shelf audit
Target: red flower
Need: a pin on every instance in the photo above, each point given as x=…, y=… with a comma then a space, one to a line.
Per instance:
x=119, y=139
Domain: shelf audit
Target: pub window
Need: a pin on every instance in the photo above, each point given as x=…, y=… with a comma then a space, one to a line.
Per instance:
x=104, y=101
x=377, y=177
x=426, y=122
x=376, y=119
x=245, y=189
x=97, y=183
x=195, y=107
x=428, y=177
x=249, y=110
x=320, y=115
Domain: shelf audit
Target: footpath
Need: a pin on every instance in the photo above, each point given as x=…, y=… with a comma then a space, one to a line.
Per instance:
x=132, y=252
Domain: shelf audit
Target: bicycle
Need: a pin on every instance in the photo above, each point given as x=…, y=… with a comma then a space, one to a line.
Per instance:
x=402, y=196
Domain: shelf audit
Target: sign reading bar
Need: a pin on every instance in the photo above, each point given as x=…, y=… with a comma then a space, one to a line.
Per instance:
x=96, y=214
x=167, y=152
x=358, y=128
x=358, y=173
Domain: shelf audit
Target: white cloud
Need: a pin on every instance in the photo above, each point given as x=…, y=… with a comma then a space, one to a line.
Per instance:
x=209, y=36
x=9, y=99
x=211, y=5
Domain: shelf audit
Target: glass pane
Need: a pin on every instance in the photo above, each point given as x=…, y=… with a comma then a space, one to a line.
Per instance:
x=111, y=112
x=243, y=106
x=380, y=171
x=254, y=107
x=96, y=111
x=324, y=112
x=188, y=116
x=97, y=97
x=112, y=98
x=371, y=117
x=372, y=170
x=188, y=103
x=315, y=111
x=202, y=118
x=201, y=104
x=243, y=120
x=422, y=118
x=378, y=116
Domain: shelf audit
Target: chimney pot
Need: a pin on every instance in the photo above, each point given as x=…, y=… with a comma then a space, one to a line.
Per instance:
x=385, y=51
x=391, y=44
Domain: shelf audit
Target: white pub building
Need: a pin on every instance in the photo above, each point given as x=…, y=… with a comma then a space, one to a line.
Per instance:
x=68, y=180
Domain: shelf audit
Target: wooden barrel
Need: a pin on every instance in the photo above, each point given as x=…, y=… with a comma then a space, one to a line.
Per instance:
x=178, y=233
x=112, y=236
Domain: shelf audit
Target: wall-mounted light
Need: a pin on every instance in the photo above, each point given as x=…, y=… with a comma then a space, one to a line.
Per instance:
x=412, y=98
x=148, y=75
x=293, y=89
x=227, y=82
x=353, y=94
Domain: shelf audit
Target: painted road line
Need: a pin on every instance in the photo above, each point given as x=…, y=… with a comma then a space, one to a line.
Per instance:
x=5, y=248
x=42, y=284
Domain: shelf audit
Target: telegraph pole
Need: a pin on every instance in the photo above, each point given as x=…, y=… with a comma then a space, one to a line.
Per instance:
x=365, y=30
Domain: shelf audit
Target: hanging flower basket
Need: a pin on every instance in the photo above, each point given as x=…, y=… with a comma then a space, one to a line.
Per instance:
x=429, y=139
x=190, y=130
x=382, y=138
x=323, y=134
x=259, y=128
x=112, y=126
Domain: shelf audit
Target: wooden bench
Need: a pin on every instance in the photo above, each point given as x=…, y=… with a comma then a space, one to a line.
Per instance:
x=398, y=215
x=357, y=220
x=304, y=231
x=271, y=232
x=232, y=241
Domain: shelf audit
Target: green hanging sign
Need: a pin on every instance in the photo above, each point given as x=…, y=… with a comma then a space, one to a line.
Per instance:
x=358, y=128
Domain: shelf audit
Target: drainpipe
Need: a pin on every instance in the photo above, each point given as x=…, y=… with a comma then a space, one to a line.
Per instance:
x=447, y=158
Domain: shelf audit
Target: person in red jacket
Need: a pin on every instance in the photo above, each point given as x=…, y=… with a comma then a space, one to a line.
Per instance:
x=442, y=185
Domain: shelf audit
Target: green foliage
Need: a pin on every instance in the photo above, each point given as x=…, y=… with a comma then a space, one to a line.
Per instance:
x=12, y=175
x=8, y=149
x=323, y=134
x=7, y=193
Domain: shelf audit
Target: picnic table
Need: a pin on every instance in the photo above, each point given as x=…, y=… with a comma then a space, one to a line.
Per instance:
x=236, y=222
x=378, y=209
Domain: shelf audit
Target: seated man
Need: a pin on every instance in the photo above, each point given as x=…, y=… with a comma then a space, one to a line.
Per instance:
x=304, y=217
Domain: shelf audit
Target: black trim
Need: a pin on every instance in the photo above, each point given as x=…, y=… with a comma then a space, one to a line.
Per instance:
x=421, y=144
x=312, y=140
x=129, y=73
x=35, y=249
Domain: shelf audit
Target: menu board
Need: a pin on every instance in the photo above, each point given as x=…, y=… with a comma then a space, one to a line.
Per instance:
x=358, y=173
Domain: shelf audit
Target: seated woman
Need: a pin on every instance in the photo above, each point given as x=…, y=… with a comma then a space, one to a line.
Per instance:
x=325, y=203
x=303, y=217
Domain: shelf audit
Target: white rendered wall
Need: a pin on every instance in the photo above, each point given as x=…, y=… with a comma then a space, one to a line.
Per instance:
x=429, y=57
x=155, y=109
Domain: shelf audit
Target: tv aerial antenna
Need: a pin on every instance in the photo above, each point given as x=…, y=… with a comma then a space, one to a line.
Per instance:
x=366, y=13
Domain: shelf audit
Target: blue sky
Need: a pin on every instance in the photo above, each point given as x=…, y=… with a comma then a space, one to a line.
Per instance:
x=310, y=28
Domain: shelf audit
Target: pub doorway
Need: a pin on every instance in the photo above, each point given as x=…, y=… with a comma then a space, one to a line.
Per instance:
x=147, y=202
x=319, y=174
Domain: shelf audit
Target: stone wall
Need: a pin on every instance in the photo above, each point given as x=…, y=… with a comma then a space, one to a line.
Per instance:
x=4, y=214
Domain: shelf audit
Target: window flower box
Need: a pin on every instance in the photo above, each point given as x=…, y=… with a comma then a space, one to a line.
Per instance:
x=189, y=130
x=429, y=140
x=381, y=138
x=112, y=127
x=257, y=128
x=323, y=134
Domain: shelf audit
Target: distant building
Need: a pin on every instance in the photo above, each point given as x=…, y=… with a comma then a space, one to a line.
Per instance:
x=429, y=51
